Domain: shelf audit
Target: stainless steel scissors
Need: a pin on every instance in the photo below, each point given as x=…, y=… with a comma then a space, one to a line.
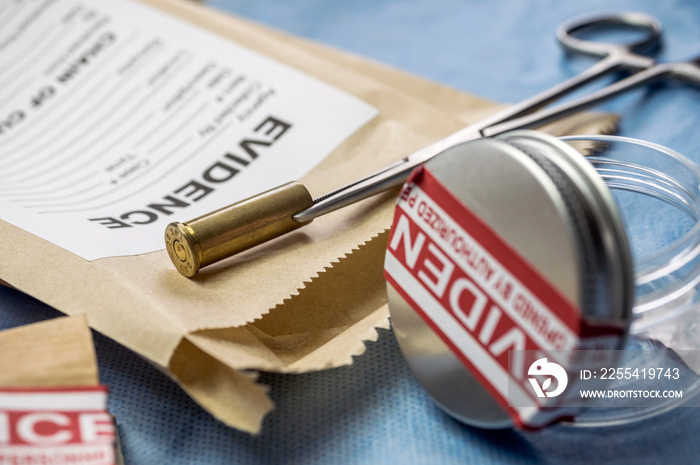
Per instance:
x=220, y=239
x=525, y=115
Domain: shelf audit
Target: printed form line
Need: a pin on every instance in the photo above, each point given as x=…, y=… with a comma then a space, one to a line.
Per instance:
x=16, y=63
x=90, y=112
x=37, y=26
x=72, y=93
x=118, y=140
x=146, y=59
x=79, y=137
x=170, y=121
x=99, y=122
x=31, y=61
x=70, y=184
x=176, y=72
x=18, y=9
x=100, y=103
x=165, y=174
x=87, y=189
x=121, y=186
x=128, y=115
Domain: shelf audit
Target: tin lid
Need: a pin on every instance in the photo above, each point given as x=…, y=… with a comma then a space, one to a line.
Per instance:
x=529, y=207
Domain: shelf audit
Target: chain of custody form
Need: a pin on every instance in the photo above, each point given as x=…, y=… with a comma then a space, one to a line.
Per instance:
x=116, y=119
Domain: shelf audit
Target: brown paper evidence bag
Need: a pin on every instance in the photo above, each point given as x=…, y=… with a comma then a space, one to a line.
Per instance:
x=300, y=303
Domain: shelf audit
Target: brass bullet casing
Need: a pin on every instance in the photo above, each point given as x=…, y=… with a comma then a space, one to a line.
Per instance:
x=225, y=232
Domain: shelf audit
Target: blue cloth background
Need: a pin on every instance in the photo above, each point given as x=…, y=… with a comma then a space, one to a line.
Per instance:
x=373, y=411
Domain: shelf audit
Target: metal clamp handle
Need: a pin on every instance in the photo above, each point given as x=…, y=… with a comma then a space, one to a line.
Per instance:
x=621, y=21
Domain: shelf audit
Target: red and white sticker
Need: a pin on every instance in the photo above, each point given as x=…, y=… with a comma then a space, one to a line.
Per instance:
x=483, y=299
x=56, y=426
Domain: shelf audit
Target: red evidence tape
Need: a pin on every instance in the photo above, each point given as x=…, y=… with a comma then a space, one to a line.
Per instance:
x=481, y=297
x=56, y=425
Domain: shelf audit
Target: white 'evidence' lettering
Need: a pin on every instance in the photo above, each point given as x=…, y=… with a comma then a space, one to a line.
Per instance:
x=438, y=280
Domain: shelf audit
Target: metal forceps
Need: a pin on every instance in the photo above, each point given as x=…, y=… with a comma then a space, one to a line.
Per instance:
x=238, y=227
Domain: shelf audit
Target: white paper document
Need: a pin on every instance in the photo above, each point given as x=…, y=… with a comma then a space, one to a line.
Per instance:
x=116, y=120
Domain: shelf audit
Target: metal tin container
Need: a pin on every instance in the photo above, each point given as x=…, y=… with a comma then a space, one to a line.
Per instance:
x=549, y=203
